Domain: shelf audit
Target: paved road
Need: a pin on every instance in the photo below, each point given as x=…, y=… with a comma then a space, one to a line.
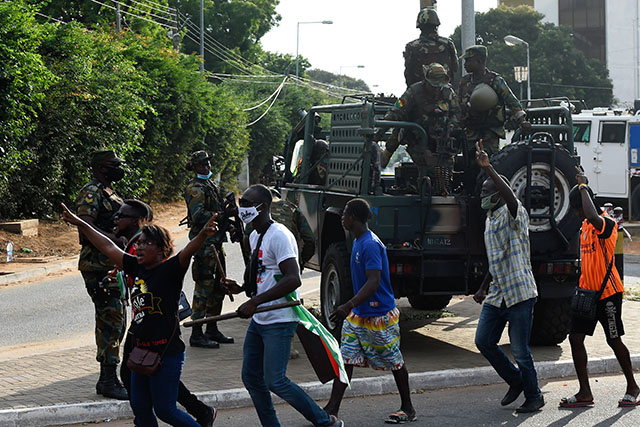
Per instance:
x=59, y=312
x=464, y=406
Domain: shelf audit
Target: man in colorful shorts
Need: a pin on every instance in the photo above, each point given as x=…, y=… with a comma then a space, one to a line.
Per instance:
x=371, y=329
x=597, y=247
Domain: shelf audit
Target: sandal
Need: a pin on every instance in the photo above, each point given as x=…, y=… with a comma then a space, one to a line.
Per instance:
x=573, y=402
x=628, y=401
x=400, y=417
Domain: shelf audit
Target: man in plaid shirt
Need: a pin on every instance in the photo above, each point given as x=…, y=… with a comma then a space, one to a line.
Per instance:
x=511, y=288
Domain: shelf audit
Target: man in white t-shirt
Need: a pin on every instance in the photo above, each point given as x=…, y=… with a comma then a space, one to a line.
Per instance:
x=272, y=274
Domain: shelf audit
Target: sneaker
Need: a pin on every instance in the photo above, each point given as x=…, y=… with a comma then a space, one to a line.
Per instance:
x=335, y=422
x=531, y=405
x=512, y=394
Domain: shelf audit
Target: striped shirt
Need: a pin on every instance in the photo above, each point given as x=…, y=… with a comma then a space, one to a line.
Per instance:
x=597, y=248
x=507, y=241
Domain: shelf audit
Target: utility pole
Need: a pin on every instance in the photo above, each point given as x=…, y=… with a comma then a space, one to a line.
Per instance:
x=202, y=35
x=468, y=24
x=118, y=17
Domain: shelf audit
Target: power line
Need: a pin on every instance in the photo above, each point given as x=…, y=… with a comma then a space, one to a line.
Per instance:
x=134, y=15
x=270, y=105
x=50, y=17
x=157, y=4
x=143, y=11
x=223, y=59
x=269, y=97
x=146, y=5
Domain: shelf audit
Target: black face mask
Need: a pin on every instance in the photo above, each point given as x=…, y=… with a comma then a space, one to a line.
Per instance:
x=114, y=173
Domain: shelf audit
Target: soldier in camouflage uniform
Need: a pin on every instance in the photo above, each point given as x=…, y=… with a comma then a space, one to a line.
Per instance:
x=429, y=48
x=484, y=97
x=203, y=198
x=432, y=104
x=96, y=204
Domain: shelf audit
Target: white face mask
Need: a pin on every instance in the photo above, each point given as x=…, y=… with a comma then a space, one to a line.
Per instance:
x=248, y=214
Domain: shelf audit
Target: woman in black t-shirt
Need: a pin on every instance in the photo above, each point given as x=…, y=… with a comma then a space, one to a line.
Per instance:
x=155, y=296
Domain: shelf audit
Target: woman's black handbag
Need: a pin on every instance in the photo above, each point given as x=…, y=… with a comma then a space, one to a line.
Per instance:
x=585, y=301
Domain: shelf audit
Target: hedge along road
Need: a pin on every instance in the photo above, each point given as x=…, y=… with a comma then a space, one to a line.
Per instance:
x=54, y=314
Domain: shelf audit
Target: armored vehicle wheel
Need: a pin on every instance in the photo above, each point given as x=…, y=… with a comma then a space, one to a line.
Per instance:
x=429, y=302
x=551, y=321
x=511, y=161
x=335, y=284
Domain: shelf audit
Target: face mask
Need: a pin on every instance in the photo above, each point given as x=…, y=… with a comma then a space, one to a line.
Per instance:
x=207, y=176
x=115, y=174
x=487, y=203
x=248, y=214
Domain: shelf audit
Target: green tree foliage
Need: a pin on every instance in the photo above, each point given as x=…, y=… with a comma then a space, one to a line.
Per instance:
x=558, y=68
x=337, y=80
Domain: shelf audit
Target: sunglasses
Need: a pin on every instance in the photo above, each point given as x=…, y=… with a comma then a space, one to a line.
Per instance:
x=119, y=215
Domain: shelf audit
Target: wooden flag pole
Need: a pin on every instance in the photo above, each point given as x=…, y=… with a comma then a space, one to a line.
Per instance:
x=235, y=313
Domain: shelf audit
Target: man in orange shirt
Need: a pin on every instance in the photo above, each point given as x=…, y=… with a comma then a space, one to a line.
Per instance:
x=597, y=244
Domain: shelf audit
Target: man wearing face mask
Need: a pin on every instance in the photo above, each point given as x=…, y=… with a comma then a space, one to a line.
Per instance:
x=204, y=198
x=272, y=275
x=96, y=204
x=512, y=291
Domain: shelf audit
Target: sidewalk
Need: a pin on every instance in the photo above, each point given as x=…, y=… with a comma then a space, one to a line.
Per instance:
x=59, y=387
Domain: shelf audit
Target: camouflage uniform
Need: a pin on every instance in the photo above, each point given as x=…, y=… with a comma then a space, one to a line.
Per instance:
x=100, y=203
x=429, y=48
x=203, y=199
x=436, y=109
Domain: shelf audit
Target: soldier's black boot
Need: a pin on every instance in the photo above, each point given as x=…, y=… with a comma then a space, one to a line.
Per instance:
x=214, y=334
x=109, y=385
x=198, y=339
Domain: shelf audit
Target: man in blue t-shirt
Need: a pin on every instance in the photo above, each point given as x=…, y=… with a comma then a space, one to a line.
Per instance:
x=371, y=329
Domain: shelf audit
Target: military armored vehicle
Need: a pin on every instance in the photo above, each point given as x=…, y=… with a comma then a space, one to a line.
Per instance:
x=434, y=243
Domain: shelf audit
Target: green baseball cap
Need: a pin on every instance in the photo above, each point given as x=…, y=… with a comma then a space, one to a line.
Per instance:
x=477, y=50
x=104, y=156
x=197, y=157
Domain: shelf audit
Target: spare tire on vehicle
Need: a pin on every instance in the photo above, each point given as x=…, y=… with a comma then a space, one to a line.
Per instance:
x=511, y=162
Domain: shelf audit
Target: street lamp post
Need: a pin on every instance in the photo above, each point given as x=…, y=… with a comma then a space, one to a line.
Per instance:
x=298, y=41
x=347, y=66
x=521, y=74
x=512, y=41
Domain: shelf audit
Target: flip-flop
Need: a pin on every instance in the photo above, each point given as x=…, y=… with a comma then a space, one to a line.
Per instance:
x=628, y=401
x=400, y=417
x=573, y=402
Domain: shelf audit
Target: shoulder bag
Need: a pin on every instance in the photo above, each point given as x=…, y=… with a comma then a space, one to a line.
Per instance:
x=147, y=362
x=584, y=301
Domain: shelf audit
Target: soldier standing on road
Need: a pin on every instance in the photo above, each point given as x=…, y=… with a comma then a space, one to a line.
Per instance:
x=429, y=48
x=203, y=198
x=96, y=204
x=432, y=104
x=597, y=247
x=484, y=97
x=513, y=292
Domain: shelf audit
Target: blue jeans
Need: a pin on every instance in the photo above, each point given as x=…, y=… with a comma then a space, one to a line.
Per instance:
x=158, y=393
x=490, y=326
x=264, y=367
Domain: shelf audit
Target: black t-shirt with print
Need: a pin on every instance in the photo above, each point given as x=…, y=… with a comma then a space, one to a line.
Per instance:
x=154, y=299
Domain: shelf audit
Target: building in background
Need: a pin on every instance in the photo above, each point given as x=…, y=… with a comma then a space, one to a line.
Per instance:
x=608, y=30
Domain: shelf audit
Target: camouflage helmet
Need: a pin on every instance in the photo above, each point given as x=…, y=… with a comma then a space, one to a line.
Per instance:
x=427, y=16
x=483, y=98
x=435, y=74
x=197, y=157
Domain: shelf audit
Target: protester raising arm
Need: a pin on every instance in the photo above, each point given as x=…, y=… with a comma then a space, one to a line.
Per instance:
x=503, y=188
x=194, y=244
x=99, y=240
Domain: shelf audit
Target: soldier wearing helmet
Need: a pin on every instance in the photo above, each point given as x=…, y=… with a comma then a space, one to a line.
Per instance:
x=429, y=48
x=204, y=198
x=432, y=104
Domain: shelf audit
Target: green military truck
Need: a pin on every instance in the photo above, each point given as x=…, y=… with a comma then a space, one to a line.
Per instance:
x=434, y=243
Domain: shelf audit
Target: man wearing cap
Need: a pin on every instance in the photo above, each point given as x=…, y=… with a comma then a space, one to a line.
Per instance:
x=428, y=48
x=432, y=104
x=203, y=198
x=96, y=204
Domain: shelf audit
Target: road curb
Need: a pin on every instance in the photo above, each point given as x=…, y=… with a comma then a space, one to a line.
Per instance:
x=40, y=271
x=237, y=398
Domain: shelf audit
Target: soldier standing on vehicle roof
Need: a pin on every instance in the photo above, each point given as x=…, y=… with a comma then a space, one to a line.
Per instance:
x=432, y=104
x=428, y=48
x=96, y=204
x=203, y=198
x=484, y=97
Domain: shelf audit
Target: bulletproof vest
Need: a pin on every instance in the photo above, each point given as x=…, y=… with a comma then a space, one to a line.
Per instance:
x=425, y=51
x=212, y=201
x=426, y=115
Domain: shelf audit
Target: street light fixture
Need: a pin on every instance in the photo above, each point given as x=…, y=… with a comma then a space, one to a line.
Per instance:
x=347, y=66
x=298, y=40
x=521, y=74
x=513, y=41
